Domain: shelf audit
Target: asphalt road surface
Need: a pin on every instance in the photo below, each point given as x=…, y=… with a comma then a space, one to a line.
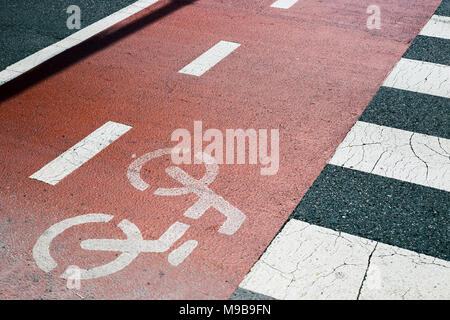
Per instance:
x=343, y=188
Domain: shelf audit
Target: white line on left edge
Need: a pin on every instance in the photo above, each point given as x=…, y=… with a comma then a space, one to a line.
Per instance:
x=45, y=54
x=83, y=151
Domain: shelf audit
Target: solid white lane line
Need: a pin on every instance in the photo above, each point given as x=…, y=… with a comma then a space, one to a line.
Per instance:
x=310, y=262
x=7, y=75
x=283, y=4
x=80, y=153
x=420, y=76
x=397, y=154
x=438, y=27
x=43, y=55
x=210, y=58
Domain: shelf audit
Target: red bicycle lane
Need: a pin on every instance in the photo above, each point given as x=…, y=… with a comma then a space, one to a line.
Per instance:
x=310, y=80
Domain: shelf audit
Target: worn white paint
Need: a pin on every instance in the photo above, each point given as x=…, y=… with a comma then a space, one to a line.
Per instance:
x=178, y=255
x=135, y=241
x=45, y=54
x=283, y=4
x=126, y=256
x=41, y=250
x=210, y=58
x=7, y=75
x=397, y=154
x=129, y=248
x=437, y=26
x=207, y=197
x=83, y=151
x=310, y=262
x=420, y=76
x=406, y=275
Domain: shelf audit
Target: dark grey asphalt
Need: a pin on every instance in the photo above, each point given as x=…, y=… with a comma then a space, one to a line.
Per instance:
x=244, y=294
x=444, y=8
x=398, y=213
x=435, y=50
x=29, y=26
x=410, y=111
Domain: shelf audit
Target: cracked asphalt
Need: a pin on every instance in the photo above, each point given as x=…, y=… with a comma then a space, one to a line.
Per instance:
x=358, y=207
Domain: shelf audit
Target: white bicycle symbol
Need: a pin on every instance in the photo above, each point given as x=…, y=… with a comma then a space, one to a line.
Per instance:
x=131, y=247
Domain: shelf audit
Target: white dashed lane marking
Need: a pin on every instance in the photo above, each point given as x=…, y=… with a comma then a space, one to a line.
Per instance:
x=420, y=76
x=83, y=151
x=310, y=262
x=283, y=4
x=210, y=58
x=398, y=154
x=438, y=27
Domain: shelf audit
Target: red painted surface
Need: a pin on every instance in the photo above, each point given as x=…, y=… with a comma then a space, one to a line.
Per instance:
x=308, y=71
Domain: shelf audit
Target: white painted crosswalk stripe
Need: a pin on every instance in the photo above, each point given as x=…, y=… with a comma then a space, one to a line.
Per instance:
x=83, y=151
x=283, y=4
x=310, y=262
x=438, y=27
x=306, y=261
x=395, y=153
x=420, y=76
x=210, y=58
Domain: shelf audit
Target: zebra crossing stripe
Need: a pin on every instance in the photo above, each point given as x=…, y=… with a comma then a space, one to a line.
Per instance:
x=420, y=76
x=310, y=262
x=397, y=154
x=374, y=225
x=437, y=26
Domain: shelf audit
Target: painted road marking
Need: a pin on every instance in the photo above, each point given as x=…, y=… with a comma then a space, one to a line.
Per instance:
x=283, y=4
x=7, y=75
x=420, y=76
x=45, y=54
x=178, y=255
x=130, y=248
x=210, y=58
x=207, y=197
x=310, y=262
x=398, y=154
x=437, y=26
x=41, y=250
x=83, y=151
